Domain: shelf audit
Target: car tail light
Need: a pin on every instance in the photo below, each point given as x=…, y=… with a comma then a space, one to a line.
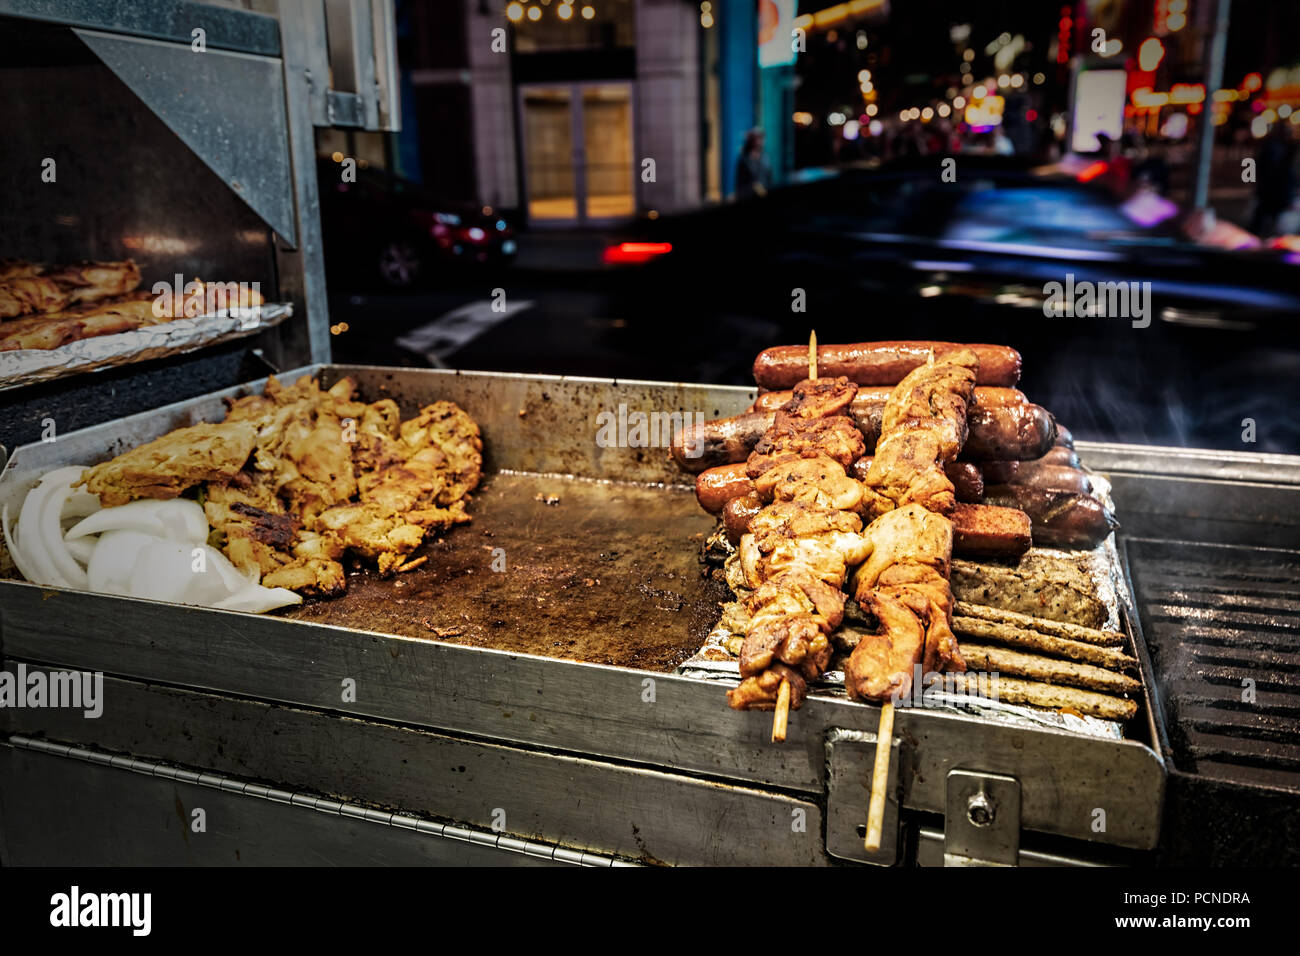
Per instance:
x=1092, y=171
x=633, y=252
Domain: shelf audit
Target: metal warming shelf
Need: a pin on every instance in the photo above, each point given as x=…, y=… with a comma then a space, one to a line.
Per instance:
x=534, y=743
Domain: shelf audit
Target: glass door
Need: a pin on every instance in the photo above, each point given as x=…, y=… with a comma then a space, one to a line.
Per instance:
x=578, y=155
x=608, y=167
x=550, y=160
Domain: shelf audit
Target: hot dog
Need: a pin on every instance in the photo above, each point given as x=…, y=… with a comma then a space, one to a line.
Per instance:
x=1060, y=519
x=720, y=441
x=1038, y=474
x=1009, y=431
x=878, y=363
x=979, y=531
x=716, y=486
x=736, y=515
x=1014, y=431
x=1002, y=472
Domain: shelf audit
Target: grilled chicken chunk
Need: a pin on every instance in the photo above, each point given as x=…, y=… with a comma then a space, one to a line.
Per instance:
x=166, y=466
x=905, y=584
x=818, y=482
x=761, y=691
x=923, y=427
x=820, y=398
x=799, y=547
x=790, y=519
x=297, y=475
x=836, y=438
x=38, y=289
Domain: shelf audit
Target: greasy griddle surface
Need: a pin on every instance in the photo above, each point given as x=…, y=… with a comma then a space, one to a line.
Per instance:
x=609, y=573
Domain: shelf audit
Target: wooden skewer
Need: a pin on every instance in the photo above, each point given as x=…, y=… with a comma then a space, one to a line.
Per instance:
x=781, y=716
x=880, y=777
x=880, y=771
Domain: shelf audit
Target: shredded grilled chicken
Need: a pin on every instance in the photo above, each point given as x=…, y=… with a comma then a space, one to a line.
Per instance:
x=297, y=476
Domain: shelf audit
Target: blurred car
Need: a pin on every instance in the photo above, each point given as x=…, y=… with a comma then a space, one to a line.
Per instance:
x=899, y=252
x=389, y=232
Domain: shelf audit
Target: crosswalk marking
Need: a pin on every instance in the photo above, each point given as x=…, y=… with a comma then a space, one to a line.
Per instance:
x=455, y=329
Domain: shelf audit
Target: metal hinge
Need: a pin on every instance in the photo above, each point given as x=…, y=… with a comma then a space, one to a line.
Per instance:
x=982, y=819
x=850, y=757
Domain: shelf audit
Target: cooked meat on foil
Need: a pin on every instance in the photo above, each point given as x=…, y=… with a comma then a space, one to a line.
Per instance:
x=1038, y=585
x=28, y=288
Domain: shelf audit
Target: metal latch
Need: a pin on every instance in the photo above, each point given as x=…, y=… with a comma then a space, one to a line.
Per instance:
x=982, y=819
x=850, y=758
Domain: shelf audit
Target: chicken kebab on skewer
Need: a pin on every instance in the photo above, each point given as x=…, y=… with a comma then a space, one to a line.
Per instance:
x=904, y=582
x=909, y=497
x=797, y=553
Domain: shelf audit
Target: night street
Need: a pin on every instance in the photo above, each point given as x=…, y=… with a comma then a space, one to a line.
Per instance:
x=853, y=439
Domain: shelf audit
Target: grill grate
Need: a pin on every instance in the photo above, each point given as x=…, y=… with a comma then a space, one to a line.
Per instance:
x=1221, y=622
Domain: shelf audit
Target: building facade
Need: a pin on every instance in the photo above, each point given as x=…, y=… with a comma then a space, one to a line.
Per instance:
x=580, y=112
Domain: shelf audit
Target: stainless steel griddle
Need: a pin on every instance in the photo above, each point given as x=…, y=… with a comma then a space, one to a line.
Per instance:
x=533, y=705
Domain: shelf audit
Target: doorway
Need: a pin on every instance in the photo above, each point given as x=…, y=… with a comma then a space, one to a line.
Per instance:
x=578, y=154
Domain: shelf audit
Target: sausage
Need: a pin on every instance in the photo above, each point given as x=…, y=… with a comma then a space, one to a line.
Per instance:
x=979, y=531
x=1035, y=474
x=1003, y=472
x=1063, y=436
x=999, y=432
x=737, y=513
x=1060, y=519
x=716, y=486
x=878, y=363
x=1009, y=431
x=984, y=397
x=720, y=441
x=967, y=481
x=990, y=531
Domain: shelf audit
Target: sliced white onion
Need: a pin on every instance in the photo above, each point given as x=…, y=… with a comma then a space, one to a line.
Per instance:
x=163, y=572
x=29, y=538
x=51, y=533
x=112, y=565
x=145, y=549
x=234, y=579
x=256, y=599
x=80, y=504
x=179, y=520
x=81, y=548
x=25, y=567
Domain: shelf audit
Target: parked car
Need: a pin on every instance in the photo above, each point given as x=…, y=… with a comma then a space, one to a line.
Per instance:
x=385, y=231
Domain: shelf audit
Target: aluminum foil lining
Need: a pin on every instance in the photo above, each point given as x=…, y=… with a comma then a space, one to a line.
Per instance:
x=28, y=366
x=714, y=662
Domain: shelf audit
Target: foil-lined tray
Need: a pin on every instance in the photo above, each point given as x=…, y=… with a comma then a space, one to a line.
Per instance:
x=1102, y=564
x=29, y=366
